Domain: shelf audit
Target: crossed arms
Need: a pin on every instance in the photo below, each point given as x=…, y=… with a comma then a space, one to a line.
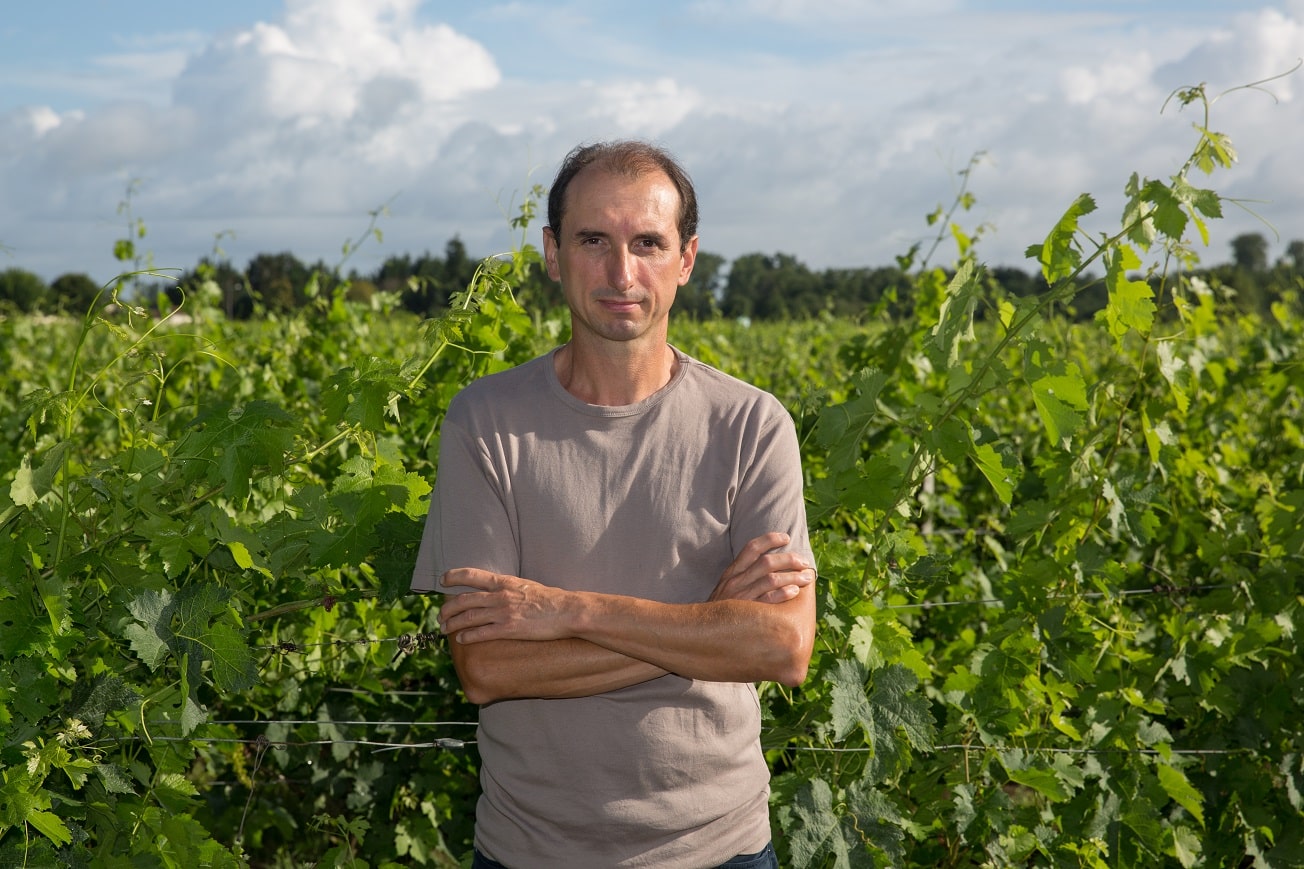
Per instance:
x=515, y=638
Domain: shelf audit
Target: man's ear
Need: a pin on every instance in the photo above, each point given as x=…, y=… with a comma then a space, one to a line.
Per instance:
x=550, y=253
x=687, y=257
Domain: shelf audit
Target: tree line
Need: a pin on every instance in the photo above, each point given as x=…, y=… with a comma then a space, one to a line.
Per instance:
x=754, y=286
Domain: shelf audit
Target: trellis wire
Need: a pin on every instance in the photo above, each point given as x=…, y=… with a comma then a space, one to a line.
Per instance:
x=262, y=742
x=1166, y=590
x=420, y=641
x=1049, y=749
x=414, y=642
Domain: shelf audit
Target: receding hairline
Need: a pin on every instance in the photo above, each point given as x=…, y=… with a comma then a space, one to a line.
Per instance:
x=630, y=158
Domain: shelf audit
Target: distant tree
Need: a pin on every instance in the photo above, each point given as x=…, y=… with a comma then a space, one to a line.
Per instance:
x=539, y=291
x=458, y=267
x=235, y=302
x=1092, y=297
x=700, y=297
x=851, y=292
x=22, y=290
x=426, y=284
x=360, y=290
x=1250, y=252
x=1294, y=256
x=768, y=287
x=420, y=283
x=1018, y=282
x=1288, y=277
x=277, y=280
x=74, y=293
x=393, y=273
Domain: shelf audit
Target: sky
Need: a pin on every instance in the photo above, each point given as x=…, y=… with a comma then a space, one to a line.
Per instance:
x=825, y=130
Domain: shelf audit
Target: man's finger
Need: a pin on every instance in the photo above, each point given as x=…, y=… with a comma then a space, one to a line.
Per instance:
x=755, y=549
x=765, y=586
x=470, y=577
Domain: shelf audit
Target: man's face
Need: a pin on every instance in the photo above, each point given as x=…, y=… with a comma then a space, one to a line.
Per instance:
x=618, y=255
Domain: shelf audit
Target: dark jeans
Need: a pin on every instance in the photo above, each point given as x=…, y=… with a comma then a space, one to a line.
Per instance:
x=763, y=859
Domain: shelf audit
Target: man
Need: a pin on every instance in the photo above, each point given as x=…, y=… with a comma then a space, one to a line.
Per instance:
x=621, y=533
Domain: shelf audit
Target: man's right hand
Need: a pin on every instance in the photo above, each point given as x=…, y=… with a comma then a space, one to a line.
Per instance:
x=762, y=574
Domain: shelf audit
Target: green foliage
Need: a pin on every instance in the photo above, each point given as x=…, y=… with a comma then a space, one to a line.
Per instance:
x=218, y=525
x=1062, y=531
x=1060, y=565
x=21, y=291
x=74, y=293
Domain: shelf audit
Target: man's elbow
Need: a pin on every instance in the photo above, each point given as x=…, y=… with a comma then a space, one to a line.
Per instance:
x=794, y=661
x=794, y=639
x=476, y=673
x=477, y=691
x=795, y=670
x=478, y=695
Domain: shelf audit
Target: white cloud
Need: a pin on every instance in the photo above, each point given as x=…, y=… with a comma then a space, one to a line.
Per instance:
x=328, y=56
x=645, y=109
x=818, y=12
x=1116, y=78
x=1256, y=45
x=289, y=131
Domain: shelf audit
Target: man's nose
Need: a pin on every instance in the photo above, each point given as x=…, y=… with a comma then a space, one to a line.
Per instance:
x=620, y=268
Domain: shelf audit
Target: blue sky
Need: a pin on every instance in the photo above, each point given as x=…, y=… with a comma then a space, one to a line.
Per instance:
x=827, y=130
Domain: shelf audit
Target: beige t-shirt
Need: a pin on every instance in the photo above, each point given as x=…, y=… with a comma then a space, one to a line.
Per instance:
x=651, y=500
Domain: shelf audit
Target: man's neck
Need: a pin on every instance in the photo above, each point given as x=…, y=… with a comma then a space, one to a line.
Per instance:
x=614, y=374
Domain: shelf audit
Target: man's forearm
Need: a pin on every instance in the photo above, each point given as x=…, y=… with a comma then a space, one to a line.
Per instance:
x=544, y=641
x=601, y=642
x=516, y=669
x=718, y=641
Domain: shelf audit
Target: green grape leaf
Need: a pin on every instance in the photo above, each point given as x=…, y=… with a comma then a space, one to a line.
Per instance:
x=897, y=706
x=955, y=319
x=1138, y=214
x=1058, y=255
x=51, y=826
x=234, y=665
x=240, y=553
x=364, y=394
x=32, y=484
x=94, y=698
x=1043, y=781
x=150, y=633
x=1177, y=786
x=1131, y=302
x=992, y=466
x=115, y=779
x=21, y=633
x=1186, y=846
x=1059, y=398
x=1215, y=150
x=240, y=438
x=849, y=704
x=1168, y=215
x=204, y=630
x=873, y=816
x=197, y=626
x=842, y=428
x=814, y=830
x=174, y=791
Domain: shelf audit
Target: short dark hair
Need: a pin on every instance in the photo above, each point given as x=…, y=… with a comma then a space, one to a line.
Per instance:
x=628, y=157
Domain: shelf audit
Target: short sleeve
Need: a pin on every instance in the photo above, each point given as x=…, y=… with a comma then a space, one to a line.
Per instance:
x=771, y=487
x=469, y=523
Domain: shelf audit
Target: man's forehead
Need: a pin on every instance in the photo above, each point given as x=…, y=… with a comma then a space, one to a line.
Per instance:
x=592, y=179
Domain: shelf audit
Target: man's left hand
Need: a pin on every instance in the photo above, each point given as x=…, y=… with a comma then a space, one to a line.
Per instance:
x=504, y=607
